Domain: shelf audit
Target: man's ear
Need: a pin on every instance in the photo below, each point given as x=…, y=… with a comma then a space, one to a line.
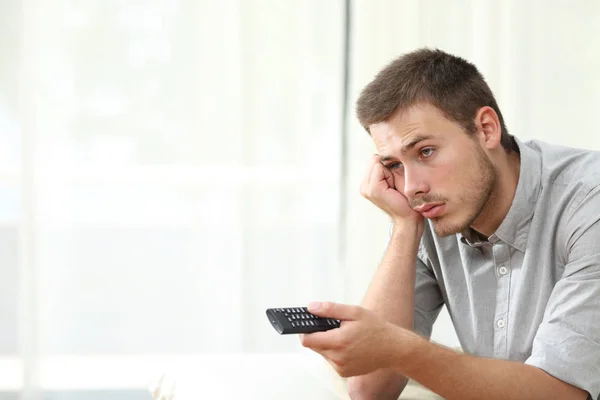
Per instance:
x=488, y=127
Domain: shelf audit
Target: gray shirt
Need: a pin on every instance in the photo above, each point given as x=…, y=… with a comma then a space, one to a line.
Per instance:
x=531, y=293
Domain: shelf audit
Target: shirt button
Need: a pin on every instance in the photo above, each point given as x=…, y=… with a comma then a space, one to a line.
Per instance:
x=503, y=270
x=500, y=323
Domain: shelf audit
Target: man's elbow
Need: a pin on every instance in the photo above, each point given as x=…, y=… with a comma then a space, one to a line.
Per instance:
x=365, y=388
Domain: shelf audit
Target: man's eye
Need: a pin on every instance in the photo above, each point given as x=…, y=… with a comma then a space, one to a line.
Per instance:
x=394, y=165
x=427, y=152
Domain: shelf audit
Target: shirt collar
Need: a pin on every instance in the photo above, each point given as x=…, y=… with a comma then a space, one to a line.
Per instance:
x=514, y=228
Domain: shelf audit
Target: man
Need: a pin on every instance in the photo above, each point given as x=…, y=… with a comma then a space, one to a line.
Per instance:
x=506, y=234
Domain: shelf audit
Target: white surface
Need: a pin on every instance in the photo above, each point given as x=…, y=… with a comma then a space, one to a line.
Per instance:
x=257, y=376
x=296, y=376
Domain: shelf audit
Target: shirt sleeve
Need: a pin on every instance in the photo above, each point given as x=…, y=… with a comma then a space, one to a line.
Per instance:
x=428, y=299
x=567, y=343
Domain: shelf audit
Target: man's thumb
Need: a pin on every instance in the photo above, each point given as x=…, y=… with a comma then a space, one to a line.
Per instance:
x=334, y=310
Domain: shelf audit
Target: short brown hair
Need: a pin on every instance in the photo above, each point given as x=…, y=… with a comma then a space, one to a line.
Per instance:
x=450, y=83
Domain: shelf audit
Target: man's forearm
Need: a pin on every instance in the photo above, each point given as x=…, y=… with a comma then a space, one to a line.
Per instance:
x=391, y=295
x=383, y=384
x=459, y=376
x=391, y=292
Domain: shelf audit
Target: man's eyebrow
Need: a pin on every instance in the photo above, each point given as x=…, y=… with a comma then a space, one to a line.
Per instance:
x=408, y=146
x=414, y=141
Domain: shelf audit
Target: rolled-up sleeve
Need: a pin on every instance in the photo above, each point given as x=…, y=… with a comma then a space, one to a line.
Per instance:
x=428, y=299
x=567, y=343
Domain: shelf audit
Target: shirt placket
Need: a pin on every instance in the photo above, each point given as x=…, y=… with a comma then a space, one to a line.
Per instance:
x=501, y=254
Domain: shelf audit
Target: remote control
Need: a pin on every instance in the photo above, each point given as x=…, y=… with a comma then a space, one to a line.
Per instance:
x=299, y=320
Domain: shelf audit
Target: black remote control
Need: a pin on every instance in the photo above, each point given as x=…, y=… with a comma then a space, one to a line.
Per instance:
x=299, y=320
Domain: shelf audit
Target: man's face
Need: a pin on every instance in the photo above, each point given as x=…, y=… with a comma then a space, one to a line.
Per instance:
x=435, y=162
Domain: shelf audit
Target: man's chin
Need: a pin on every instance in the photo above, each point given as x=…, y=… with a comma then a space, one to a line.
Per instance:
x=444, y=228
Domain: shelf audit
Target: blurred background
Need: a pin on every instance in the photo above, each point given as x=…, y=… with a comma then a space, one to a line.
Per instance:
x=171, y=168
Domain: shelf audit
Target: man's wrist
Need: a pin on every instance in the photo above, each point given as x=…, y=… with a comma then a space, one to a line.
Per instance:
x=407, y=349
x=406, y=228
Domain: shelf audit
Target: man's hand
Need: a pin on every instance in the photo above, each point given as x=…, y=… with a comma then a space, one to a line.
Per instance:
x=365, y=342
x=380, y=186
x=361, y=344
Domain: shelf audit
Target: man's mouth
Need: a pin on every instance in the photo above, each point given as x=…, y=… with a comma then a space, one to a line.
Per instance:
x=430, y=210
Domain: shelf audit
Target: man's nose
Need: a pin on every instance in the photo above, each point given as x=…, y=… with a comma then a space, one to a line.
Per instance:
x=414, y=184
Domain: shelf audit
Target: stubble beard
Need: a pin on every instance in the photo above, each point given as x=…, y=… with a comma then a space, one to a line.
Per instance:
x=478, y=195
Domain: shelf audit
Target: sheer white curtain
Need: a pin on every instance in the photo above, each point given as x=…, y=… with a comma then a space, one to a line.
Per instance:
x=170, y=169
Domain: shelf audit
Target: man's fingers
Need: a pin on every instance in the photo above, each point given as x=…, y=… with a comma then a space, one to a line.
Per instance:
x=377, y=174
x=328, y=309
x=320, y=341
x=389, y=177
